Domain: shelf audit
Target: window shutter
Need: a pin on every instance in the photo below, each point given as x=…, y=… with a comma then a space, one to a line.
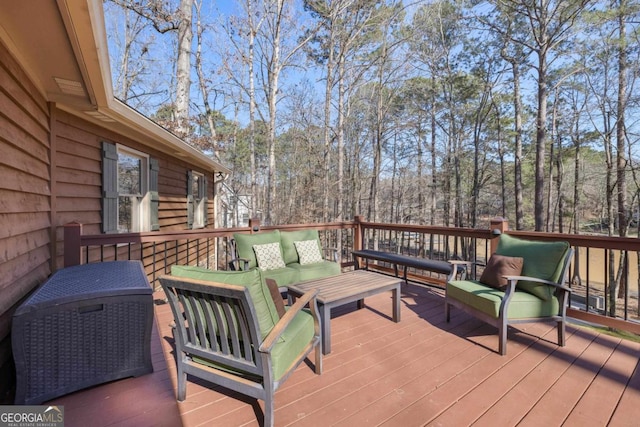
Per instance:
x=189, y=199
x=154, y=195
x=109, y=187
x=205, y=200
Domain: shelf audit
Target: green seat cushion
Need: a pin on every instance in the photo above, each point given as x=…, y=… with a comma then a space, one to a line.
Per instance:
x=486, y=299
x=263, y=303
x=543, y=260
x=294, y=339
x=245, y=242
x=315, y=270
x=282, y=276
x=288, y=248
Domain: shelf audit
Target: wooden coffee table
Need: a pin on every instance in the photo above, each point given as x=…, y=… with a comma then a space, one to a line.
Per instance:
x=344, y=288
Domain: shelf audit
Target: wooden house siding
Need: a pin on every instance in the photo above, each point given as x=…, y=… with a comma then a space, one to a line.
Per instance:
x=79, y=185
x=51, y=160
x=25, y=203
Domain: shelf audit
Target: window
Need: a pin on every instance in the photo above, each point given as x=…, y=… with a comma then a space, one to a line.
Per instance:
x=129, y=186
x=132, y=189
x=196, y=200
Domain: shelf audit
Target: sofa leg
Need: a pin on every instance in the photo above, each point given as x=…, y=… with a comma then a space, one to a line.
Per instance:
x=447, y=311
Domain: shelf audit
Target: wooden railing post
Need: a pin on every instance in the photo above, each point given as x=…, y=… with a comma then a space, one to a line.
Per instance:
x=498, y=226
x=357, y=236
x=72, y=248
x=254, y=224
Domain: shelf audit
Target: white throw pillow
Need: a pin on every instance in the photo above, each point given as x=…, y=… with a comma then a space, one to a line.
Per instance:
x=308, y=251
x=269, y=256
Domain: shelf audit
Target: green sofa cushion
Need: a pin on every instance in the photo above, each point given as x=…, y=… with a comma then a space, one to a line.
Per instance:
x=245, y=242
x=486, y=299
x=316, y=270
x=288, y=248
x=263, y=303
x=542, y=260
x=293, y=272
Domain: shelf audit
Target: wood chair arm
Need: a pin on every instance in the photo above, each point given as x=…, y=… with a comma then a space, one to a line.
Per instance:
x=283, y=323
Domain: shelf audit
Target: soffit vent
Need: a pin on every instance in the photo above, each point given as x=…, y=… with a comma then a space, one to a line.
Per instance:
x=70, y=87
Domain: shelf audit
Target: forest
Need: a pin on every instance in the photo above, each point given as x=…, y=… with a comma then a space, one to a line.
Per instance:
x=437, y=112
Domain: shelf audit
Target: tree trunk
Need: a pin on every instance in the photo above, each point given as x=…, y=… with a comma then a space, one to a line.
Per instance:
x=541, y=140
x=273, y=74
x=621, y=162
x=340, y=149
x=327, y=130
x=204, y=91
x=517, y=111
x=183, y=67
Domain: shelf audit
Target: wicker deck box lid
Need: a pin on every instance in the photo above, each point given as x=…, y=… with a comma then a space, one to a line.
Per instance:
x=89, y=281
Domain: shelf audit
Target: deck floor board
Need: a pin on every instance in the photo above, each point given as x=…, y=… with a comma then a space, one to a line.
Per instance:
x=421, y=371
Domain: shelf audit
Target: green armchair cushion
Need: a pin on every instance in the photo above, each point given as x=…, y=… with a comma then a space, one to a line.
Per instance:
x=523, y=305
x=542, y=260
x=245, y=242
x=263, y=303
x=294, y=339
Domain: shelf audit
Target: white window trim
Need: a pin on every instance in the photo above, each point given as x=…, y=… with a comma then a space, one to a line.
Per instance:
x=199, y=205
x=141, y=222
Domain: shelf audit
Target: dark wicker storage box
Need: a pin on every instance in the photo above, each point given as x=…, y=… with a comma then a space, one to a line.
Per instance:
x=86, y=325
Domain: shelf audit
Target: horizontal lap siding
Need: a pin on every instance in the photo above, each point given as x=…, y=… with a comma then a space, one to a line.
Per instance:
x=172, y=186
x=77, y=177
x=78, y=188
x=25, y=202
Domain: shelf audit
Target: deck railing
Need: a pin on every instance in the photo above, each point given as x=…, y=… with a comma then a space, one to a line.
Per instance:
x=206, y=247
x=591, y=278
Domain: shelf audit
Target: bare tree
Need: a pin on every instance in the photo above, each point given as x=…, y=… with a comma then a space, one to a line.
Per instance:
x=128, y=32
x=549, y=25
x=203, y=83
x=514, y=51
x=276, y=52
x=241, y=32
x=165, y=17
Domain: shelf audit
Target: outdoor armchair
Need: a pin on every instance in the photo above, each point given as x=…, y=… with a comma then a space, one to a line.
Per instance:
x=524, y=281
x=231, y=334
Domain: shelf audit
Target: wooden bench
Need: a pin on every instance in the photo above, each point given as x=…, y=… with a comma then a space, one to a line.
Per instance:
x=406, y=261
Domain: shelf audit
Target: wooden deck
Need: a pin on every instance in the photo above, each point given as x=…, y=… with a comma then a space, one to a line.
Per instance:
x=421, y=371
